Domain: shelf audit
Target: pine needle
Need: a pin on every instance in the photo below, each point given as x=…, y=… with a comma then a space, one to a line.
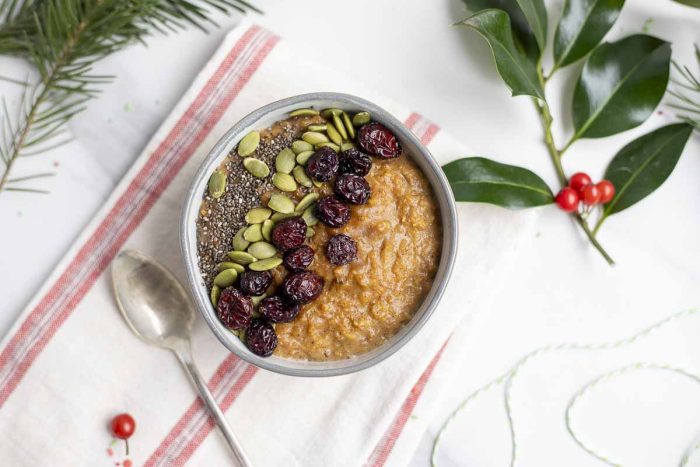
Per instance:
x=685, y=91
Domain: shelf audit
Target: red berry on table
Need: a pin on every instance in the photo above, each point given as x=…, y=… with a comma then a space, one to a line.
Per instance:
x=578, y=181
x=123, y=426
x=567, y=199
x=590, y=195
x=607, y=191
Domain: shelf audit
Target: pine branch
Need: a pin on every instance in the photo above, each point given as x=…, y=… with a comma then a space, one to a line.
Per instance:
x=63, y=40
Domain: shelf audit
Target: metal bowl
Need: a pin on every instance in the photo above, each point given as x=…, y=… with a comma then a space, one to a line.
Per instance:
x=263, y=118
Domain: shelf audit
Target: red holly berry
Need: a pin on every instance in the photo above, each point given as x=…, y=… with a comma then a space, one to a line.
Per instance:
x=590, y=195
x=579, y=181
x=607, y=191
x=567, y=199
x=123, y=426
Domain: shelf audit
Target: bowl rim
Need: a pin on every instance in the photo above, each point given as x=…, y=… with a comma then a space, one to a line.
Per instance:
x=438, y=182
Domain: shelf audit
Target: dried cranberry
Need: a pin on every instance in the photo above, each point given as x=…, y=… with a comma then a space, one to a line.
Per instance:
x=235, y=310
x=332, y=211
x=341, y=249
x=377, y=140
x=255, y=282
x=354, y=161
x=289, y=233
x=261, y=338
x=323, y=165
x=302, y=287
x=299, y=258
x=277, y=310
x=352, y=188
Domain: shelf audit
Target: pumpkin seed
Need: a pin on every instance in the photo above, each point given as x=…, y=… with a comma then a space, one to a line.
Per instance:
x=347, y=146
x=300, y=112
x=347, y=123
x=262, y=250
x=227, y=265
x=240, y=243
x=267, y=229
x=334, y=134
x=226, y=278
x=303, y=157
x=314, y=137
x=214, y=295
x=284, y=182
x=281, y=203
x=217, y=184
x=317, y=127
x=249, y=144
x=328, y=113
x=253, y=233
x=300, y=176
x=257, y=215
x=265, y=264
x=278, y=216
x=309, y=216
x=257, y=299
x=300, y=146
x=333, y=146
x=339, y=126
x=361, y=118
x=317, y=184
x=256, y=167
x=310, y=232
x=241, y=257
x=306, y=201
x=285, y=161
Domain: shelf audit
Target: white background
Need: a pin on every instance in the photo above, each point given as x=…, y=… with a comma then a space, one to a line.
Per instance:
x=561, y=289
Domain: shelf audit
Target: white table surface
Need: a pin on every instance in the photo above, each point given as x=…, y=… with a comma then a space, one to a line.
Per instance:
x=560, y=290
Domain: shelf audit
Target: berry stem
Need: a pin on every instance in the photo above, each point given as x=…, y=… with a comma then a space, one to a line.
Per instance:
x=555, y=155
x=126, y=441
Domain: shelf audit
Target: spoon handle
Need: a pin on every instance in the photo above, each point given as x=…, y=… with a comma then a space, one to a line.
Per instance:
x=185, y=358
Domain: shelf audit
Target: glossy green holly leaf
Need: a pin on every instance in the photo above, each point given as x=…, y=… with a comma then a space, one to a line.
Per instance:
x=518, y=73
x=536, y=15
x=693, y=3
x=644, y=165
x=582, y=26
x=480, y=180
x=620, y=85
x=523, y=36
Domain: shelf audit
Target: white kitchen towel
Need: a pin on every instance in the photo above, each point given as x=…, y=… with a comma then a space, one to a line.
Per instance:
x=69, y=363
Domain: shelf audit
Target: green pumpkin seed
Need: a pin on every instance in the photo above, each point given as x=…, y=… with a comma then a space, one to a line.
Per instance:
x=300, y=112
x=265, y=264
x=347, y=123
x=267, y=229
x=226, y=278
x=284, y=182
x=328, y=113
x=317, y=184
x=347, y=146
x=314, y=137
x=300, y=176
x=228, y=265
x=285, y=161
x=253, y=233
x=257, y=215
x=262, y=250
x=217, y=184
x=317, y=127
x=309, y=216
x=278, y=216
x=339, y=126
x=281, y=203
x=241, y=257
x=300, y=146
x=214, y=295
x=306, y=201
x=240, y=243
x=334, y=134
x=361, y=118
x=303, y=157
x=257, y=299
x=256, y=167
x=310, y=232
x=333, y=146
x=249, y=144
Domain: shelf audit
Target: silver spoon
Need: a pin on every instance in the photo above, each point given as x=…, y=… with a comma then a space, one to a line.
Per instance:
x=158, y=311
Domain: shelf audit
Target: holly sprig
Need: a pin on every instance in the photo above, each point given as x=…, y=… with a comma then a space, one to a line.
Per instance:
x=617, y=89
